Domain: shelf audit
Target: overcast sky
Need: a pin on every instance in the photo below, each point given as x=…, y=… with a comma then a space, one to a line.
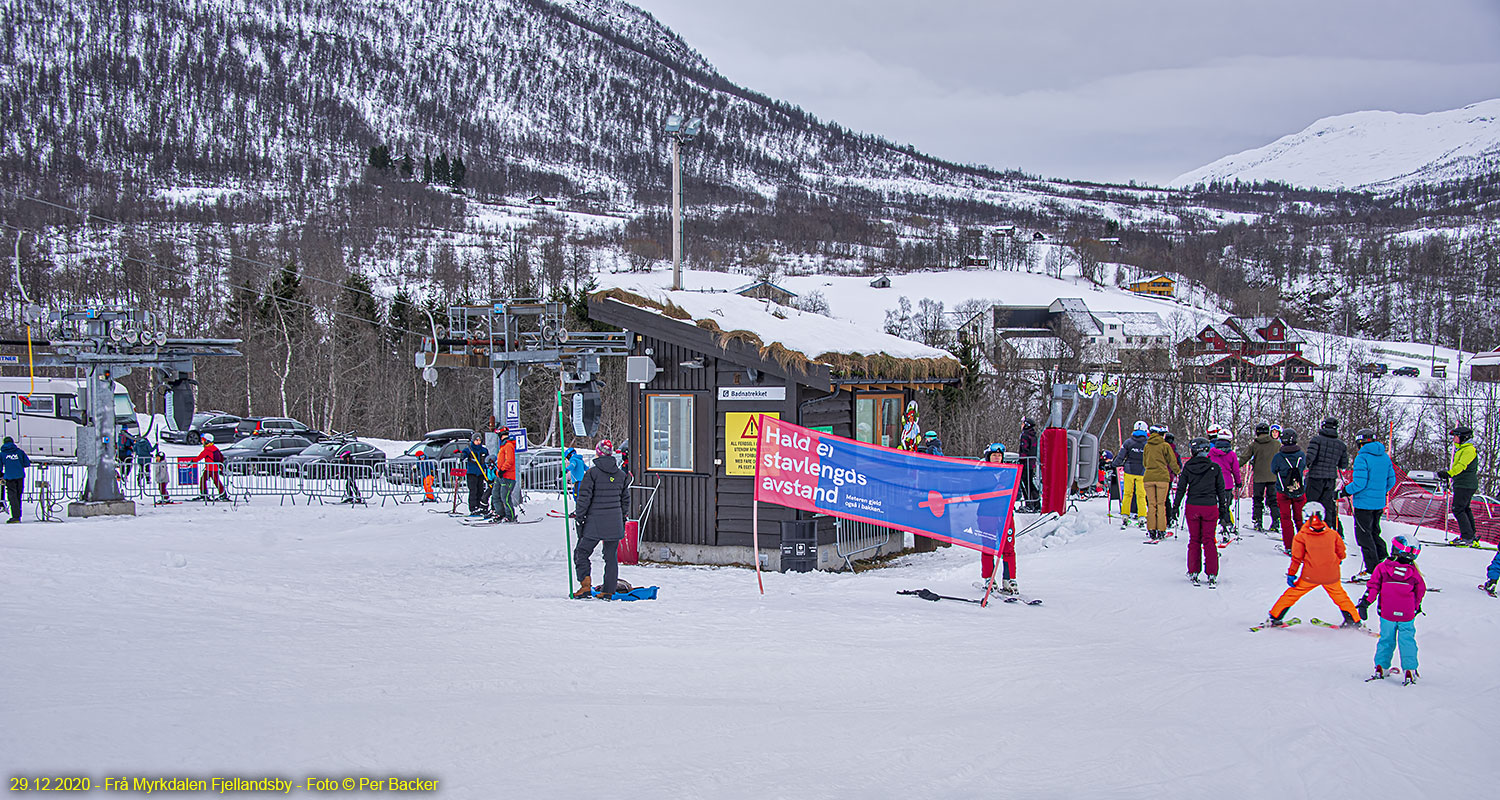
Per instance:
x=1097, y=89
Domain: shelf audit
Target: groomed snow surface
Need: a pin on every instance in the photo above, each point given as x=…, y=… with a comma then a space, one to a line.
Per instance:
x=330, y=641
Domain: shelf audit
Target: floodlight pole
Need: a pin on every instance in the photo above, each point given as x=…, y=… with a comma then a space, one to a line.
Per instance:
x=676, y=213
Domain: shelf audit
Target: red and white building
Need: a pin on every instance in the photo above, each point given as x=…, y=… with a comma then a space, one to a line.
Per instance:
x=1247, y=350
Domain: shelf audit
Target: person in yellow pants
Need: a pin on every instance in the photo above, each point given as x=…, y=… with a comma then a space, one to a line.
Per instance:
x=1318, y=551
x=1132, y=459
x=1162, y=467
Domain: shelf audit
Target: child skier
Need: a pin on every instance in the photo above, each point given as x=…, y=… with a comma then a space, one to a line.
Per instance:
x=1397, y=587
x=161, y=475
x=1291, y=495
x=1201, y=487
x=1318, y=551
x=1006, y=541
x=1223, y=455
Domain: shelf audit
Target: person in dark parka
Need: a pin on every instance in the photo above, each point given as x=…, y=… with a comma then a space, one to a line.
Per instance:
x=1326, y=455
x=603, y=497
x=13, y=464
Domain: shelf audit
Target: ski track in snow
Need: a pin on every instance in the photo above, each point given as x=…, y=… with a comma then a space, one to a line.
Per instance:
x=325, y=640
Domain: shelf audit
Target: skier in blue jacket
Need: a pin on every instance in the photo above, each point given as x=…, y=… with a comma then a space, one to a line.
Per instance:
x=15, y=462
x=1374, y=478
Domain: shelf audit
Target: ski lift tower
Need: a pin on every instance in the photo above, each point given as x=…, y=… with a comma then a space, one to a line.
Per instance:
x=107, y=344
x=508, y=335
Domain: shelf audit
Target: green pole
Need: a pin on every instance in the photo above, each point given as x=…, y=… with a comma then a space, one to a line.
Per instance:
x=567, y=520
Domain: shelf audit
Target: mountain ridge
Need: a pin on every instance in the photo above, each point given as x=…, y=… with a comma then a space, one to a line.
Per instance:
x=1378, y=151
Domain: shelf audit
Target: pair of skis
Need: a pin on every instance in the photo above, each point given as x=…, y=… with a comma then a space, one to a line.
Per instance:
x=1407, y=680
x=928, y=594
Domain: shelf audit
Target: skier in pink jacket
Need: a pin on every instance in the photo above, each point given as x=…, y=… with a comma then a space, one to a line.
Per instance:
x=1397, y=586
x=1223, y=454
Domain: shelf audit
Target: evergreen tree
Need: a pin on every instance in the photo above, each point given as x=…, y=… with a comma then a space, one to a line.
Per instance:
x=426, y=169
x=440, y=168
x=380, y=157
x=456, y=172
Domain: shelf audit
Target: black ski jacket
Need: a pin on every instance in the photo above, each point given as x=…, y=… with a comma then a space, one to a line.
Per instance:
x=1133, y=455
x=1200, y=484
x=1326, y=455
x=603, y=496
x=1028, y=442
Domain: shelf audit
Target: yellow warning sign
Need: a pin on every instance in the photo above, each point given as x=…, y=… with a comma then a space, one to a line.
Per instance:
x=741, y=429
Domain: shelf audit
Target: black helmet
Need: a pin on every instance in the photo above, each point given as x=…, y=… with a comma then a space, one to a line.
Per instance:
x=1330, y=422
x=1262, y=427
x=1199, y=446
x=1289, y=436
x=1365, y=435
x=1463, y=432
x=1027, y=423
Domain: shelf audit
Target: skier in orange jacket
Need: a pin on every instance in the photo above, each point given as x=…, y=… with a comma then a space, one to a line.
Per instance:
x=1318, y=551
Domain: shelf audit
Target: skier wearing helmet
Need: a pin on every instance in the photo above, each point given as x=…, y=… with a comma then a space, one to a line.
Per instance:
x=1132, y=458
x=211, y=458
x=1258, y=454
x=1222, y=454
x=1161, y=469
x=1374, y=477
x=1030, y=502
x=1397, y=587
x=988, y=518
x=1291, y=495
x=1464, y=474
x=1201, y=489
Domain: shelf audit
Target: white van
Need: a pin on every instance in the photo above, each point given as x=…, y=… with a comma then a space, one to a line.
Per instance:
x=45, y=423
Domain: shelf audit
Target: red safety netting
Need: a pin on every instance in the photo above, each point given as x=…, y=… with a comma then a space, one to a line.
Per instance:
x=1412, y=503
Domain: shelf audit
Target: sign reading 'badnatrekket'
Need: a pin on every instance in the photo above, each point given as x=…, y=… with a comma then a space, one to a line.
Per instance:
x=752, y=392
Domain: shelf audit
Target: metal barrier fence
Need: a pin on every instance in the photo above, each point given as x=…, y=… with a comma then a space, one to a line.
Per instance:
x=853, y=538
x=50, y=486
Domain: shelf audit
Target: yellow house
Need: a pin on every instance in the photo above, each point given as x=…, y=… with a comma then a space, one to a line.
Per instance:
x=1161, y=286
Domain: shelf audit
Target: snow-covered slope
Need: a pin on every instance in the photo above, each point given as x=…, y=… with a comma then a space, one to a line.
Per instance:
x=301, y=641
x=1372, y=150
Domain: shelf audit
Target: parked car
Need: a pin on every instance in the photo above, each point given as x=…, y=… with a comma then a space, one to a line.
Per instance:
x=1373, y=368
x=272, y=426
x=435, y=446
x=1407, y=372
x=262, y=455
x=223, y=426
x=333, y=451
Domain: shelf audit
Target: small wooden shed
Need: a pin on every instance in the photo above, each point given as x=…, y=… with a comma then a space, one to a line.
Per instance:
x=722, y=359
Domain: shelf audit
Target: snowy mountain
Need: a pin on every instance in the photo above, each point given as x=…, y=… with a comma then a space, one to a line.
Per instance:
x=1370, y=150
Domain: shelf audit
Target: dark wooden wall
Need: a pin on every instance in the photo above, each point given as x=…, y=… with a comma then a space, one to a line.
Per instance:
x=683, y=512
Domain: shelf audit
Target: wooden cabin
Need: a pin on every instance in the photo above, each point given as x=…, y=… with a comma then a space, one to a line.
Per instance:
x=1158, y=286
x=765, y=290
x=721, y=361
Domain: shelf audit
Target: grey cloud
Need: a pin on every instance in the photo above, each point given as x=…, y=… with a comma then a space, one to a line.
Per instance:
x=1092, y=89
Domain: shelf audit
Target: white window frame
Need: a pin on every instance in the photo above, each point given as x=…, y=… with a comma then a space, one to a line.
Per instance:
x=688, y=428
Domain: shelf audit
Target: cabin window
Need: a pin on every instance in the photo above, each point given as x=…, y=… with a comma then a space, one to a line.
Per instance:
x=877, y=419
x=39, y=405
x=669, y=423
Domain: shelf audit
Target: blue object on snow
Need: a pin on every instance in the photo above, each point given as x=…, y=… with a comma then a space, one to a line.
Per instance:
x=638, y=593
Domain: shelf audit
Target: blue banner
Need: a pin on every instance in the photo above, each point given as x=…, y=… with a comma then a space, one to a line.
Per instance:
x=955, y=500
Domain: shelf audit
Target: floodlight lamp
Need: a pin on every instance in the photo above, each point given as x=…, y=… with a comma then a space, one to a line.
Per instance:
x=692, y=126
x=674, y=123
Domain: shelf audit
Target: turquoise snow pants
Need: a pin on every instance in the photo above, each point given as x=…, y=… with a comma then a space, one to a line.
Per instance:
x=1393, y=633
x=1493, y=573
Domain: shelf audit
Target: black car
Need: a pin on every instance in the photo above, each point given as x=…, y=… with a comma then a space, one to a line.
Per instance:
x=1373, y=368
x=440, y=445
x=223, y=426
x=272, y=426
x=262, y=455
x=1407, y=372
x=335, y=451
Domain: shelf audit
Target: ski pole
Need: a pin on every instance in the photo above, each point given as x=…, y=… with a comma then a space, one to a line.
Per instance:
x=562, y=437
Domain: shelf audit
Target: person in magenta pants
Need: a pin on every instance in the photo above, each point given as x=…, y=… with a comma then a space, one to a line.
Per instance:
x=1200, y=488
